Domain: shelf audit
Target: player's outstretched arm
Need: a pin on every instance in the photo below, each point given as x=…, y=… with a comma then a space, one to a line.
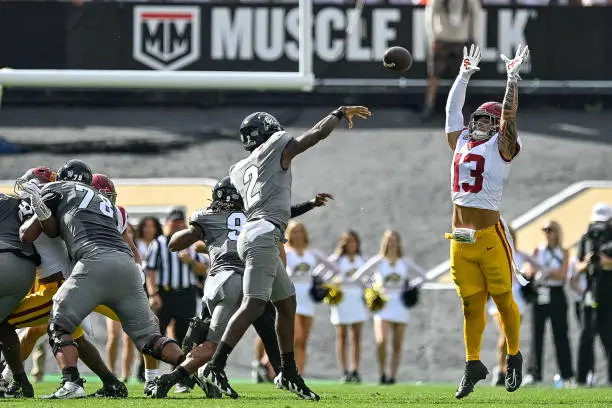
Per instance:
x=321, y=130
x=302, y=208
x=456, y=97
x=185, y=238
x=508, y=134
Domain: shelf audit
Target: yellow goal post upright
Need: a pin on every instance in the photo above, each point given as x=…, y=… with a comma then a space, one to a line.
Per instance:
x=302, y=80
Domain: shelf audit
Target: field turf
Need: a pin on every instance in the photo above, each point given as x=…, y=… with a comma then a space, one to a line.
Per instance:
x=339, y=395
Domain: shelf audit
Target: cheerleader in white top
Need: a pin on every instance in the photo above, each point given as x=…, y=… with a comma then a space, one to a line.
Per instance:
x=390, y=271
x=348, y=315
x=301, y=263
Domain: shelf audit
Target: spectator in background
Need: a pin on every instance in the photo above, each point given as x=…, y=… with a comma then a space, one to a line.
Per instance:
x=390, y=270
x=147, y=230
x=551, y=303
x=170, y=281
x=585, y=364
x=601, y=214
x=450, y=26
x=113, y=329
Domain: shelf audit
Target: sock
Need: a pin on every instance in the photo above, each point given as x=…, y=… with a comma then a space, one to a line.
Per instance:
x=474, y=323
x=151, y=374
x=70, y=374
x=510, y=321
x=178, y=374
x=109, y=378
x=288, y=363
x=7, y=374
x=22, y=378
x=219, y=359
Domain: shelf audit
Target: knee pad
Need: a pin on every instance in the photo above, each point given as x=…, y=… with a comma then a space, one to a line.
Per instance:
x=196, y=333
x=56, y=341
x=156, y=343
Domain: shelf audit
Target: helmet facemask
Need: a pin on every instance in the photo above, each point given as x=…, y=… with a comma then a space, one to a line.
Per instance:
x=483, y=131
x=111, y=195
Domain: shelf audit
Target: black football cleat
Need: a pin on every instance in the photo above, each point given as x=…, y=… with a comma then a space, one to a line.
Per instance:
x=296, y=385
x=148, y=387
x=209, y=390
x=115, y=390
x=514, y=372
x=17, y=389
x=474, y=372
x=161, y=386
x=217, y=378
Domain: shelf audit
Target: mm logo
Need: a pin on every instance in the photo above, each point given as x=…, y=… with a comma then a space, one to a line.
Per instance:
x=165, y=37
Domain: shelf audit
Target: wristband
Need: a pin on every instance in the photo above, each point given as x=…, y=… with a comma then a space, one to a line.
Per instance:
x=42, y=211
x=339, y=113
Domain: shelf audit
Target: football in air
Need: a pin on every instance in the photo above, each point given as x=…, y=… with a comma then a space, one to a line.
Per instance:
x=397, y=59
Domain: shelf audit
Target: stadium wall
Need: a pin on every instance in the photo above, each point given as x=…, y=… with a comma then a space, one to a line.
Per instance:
x=218, y=36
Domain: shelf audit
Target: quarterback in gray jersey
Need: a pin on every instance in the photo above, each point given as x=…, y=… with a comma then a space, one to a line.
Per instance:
x=17, y=271
x=85, y=219
x=219, y=226
x=263, y=179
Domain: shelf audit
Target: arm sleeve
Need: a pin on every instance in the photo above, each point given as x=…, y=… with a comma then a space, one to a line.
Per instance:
x=302, y=208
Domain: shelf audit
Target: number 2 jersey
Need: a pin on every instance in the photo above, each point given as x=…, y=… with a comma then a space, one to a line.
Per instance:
x=87, y=219
x=263, y=184
x=221, y=230
x=478, y=172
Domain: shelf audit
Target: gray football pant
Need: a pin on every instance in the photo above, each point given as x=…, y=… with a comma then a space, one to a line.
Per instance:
x=265, y=276
x=223, y=304
x=17, y=276
x=111, y=279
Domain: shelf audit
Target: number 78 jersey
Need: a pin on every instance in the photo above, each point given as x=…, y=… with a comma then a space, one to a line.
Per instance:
x=478, y=172
x=87, y=219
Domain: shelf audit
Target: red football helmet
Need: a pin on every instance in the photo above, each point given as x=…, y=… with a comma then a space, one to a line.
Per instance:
x=40, y=174
x=103, y=184
x=492, y=110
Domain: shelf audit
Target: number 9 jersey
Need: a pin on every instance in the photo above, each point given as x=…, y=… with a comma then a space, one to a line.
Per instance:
x=478, y=172
x=87, y=219
x=220, y=230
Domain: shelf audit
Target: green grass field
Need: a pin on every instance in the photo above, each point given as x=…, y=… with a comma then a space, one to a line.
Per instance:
x=340, y=395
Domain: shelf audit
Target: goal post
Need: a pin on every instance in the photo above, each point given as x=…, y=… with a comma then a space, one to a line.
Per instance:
x=302, y=80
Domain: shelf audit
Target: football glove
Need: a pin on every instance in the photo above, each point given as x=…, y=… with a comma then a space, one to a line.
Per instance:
x=513, y=65
x=469, y=64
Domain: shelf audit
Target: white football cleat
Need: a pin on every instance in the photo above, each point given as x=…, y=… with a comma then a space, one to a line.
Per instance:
x=68, y=390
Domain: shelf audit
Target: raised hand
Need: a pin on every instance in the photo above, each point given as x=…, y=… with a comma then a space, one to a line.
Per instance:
x=355, y=111
x=513, y=65
x=321, y=199
x=470, y=61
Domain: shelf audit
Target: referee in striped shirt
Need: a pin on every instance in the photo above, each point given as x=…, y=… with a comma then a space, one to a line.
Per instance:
x=172, y=279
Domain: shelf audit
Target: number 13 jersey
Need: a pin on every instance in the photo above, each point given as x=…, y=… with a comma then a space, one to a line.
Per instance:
x=262, y=182
x=478, y=172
